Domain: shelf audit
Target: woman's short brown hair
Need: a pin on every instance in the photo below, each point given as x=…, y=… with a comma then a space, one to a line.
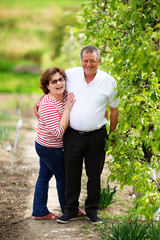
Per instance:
x=46, y=76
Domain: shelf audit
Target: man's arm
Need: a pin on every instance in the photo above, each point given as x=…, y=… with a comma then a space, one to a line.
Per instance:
x=114, y=113
x=37, y=105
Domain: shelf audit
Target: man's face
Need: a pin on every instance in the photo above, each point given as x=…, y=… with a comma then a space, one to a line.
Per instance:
x=90, y=63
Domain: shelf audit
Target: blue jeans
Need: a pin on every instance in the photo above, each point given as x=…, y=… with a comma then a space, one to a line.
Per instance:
x=51, y=163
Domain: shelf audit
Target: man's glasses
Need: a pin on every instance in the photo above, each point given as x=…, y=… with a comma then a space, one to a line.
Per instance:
x=55, y=81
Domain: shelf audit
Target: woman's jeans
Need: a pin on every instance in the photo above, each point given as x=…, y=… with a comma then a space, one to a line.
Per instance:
x=51, y=163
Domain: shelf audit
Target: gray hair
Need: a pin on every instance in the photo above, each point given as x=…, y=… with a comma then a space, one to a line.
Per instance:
x=91, y=49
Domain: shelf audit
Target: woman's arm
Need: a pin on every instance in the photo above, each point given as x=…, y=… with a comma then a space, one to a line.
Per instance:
x=50, y=116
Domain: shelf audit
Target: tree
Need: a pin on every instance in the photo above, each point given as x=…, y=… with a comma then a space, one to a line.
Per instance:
x=128, y=32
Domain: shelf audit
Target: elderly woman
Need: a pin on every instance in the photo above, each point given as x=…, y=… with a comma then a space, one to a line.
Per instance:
x=54, y=111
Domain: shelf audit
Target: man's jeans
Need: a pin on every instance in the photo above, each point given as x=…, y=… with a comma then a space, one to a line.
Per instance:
x=79, y=147
x=51, y=163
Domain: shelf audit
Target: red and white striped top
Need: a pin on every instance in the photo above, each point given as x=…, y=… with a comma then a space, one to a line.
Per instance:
x=49, y=131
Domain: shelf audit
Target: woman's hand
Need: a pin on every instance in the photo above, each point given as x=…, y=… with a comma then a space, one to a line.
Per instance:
x=66, y=113
x=70, y=102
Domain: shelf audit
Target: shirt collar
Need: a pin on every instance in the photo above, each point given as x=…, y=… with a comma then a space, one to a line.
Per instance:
x=92, y=82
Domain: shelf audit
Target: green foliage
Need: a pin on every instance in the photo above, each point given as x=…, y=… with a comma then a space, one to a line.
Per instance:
x=148, y=204
x=128, y=33
x=60, y=22
x=107, y=196
x=132, y=229
x=70, y=51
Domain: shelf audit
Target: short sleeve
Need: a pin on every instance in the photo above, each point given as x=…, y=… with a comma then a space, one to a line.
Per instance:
x=112, y=100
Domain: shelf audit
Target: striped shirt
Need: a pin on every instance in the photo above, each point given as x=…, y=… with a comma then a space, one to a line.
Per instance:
x=49, y=131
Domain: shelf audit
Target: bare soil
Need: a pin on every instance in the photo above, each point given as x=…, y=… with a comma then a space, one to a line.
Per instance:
x=17, y=189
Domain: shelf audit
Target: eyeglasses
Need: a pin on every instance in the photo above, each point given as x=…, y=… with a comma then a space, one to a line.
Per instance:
x=55, y=81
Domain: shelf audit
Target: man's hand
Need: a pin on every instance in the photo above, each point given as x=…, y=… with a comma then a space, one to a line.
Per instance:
x=36, y=106
x=106, y=114
x=113, y=118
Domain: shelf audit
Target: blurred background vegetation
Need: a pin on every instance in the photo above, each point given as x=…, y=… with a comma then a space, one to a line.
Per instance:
x=32, y=37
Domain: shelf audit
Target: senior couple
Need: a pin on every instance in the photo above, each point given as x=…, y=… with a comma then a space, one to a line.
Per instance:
x=72, y=128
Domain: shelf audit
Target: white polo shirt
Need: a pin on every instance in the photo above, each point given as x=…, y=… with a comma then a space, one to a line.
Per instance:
x=89, y=109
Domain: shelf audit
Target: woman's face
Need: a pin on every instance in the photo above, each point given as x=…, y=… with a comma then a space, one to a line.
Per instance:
x=56, y=84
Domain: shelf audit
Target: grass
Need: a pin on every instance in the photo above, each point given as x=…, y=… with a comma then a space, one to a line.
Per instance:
x=130, y=229
x=6, y=126
x=87, y=229
x=20, y=83
x=5, y=132
x=6, y=116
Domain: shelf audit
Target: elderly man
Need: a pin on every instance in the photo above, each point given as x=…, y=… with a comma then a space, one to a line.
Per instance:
x=85, y=137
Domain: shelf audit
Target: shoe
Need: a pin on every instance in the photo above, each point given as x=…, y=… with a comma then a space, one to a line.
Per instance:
x=81, y=213
x=65, y=218
x=94, y=219
x=50, y=216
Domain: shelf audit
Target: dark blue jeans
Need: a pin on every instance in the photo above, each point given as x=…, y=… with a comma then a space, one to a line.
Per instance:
x=51, y=163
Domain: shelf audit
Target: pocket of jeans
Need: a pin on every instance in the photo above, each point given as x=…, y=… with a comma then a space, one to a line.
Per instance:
x=101, y=137
x=41, y=150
